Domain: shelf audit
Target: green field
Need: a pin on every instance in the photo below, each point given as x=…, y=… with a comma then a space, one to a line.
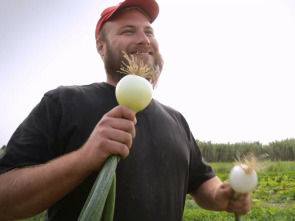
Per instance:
x=273, y=199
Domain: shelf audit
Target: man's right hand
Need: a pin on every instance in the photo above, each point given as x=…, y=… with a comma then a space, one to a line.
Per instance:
x=113, y=134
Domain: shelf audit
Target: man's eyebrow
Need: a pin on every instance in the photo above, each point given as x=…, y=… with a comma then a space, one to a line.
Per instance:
x=133, y=26
x=149, y=27
x=125, y=27
x=128, y=26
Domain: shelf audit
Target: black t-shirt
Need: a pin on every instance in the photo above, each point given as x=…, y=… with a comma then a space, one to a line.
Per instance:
x=164, y=163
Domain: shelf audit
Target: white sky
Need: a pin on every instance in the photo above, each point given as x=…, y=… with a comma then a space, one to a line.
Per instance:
x=229, y=65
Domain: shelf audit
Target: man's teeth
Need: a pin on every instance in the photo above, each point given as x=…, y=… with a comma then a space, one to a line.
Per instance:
x=141, y=52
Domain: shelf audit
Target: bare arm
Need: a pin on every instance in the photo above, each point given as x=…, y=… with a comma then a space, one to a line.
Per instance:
x=217, y=196
x=25, y=192
x=28, y=191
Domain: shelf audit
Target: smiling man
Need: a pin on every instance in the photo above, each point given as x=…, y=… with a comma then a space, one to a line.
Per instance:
x=128, y=29
x=54, y=156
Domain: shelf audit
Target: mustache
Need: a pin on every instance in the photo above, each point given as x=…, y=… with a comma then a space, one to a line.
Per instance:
x=140, y=48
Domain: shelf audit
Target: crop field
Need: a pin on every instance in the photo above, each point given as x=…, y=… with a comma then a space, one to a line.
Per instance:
x=273, y=198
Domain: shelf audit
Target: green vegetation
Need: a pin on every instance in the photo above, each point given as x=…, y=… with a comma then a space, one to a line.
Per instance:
x=39, y=217
x=273, y=199
x=267, y=165
x=279, y=150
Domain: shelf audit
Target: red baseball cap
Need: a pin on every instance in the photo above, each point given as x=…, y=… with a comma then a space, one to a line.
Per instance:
x=150, y=7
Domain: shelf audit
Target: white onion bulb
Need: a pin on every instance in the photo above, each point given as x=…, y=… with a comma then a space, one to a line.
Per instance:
x=243, y=179
x=134, y=92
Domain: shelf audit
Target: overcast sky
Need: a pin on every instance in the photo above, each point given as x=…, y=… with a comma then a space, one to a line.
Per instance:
x=229, y=65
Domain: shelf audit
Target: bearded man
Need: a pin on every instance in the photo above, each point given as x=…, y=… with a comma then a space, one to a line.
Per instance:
x=54, y=156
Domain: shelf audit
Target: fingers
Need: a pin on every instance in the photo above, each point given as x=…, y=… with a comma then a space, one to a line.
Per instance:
x=241, y=205
x=113, y=134
x=116, y=138
x=119, y=124
x=122, y=112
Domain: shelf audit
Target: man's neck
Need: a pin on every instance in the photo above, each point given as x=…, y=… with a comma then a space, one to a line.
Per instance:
x=111, y=81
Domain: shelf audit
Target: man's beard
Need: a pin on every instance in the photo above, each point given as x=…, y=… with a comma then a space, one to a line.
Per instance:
x=114, y=58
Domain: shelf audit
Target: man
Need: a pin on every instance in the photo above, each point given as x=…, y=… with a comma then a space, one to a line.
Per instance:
x=54, y=156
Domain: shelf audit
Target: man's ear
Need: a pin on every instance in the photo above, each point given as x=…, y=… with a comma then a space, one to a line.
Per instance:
x=100, y=47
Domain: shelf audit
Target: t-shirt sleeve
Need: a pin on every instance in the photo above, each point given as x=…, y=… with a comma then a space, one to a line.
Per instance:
x=33, y=141
x=200, y=171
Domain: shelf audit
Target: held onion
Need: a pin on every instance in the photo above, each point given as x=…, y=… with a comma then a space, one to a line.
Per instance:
x=242, y=179
x=134, y=92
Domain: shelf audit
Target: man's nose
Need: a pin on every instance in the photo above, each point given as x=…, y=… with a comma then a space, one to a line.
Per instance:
x=142, y=38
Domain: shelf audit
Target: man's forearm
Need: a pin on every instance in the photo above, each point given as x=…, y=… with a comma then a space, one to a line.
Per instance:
x=25, y=192
x=205, y=195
